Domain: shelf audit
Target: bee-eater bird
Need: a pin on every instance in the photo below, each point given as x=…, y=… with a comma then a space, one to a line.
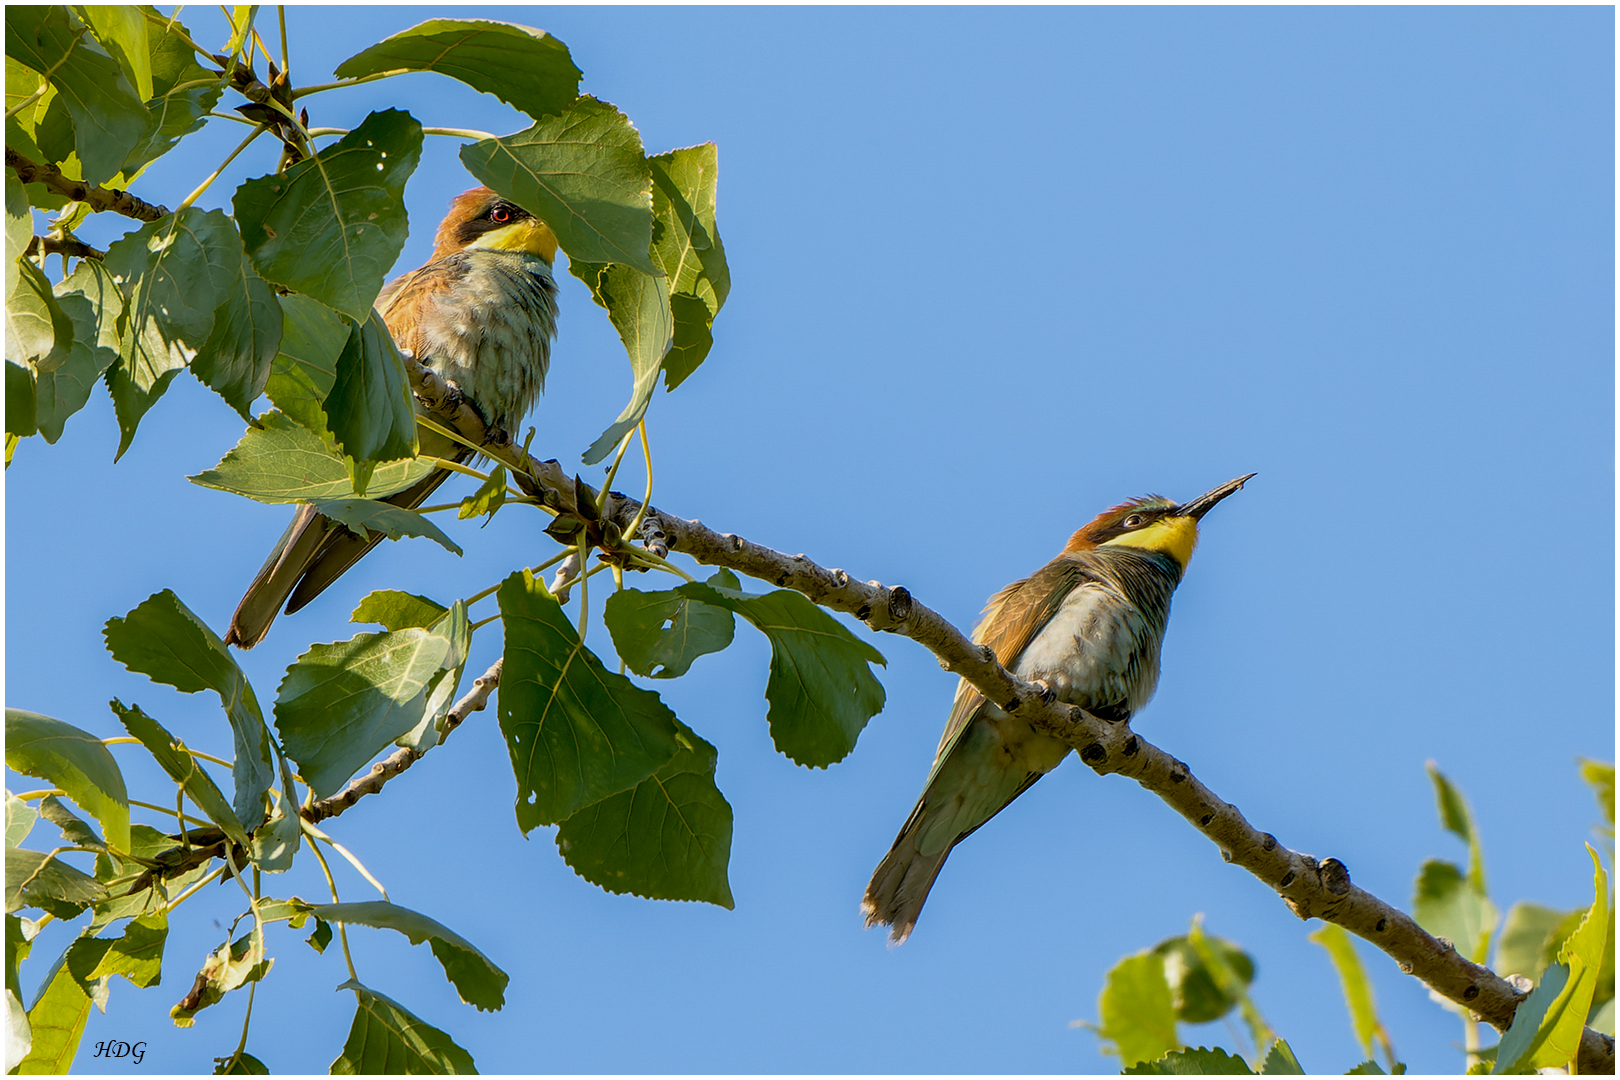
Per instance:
x=1088, y=625
x=481, y=313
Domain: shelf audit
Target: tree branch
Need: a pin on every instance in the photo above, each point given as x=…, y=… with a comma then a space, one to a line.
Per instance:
x=53, y=245
x=1311, y=888
x=99, y=198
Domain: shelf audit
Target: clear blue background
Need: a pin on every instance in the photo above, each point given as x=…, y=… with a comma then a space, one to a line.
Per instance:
x=994, y=271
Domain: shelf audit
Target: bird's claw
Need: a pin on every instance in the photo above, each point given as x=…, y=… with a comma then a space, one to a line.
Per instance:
x=1048, y=695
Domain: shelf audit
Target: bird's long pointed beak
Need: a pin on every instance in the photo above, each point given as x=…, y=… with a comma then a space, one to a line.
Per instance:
x=1205, y=502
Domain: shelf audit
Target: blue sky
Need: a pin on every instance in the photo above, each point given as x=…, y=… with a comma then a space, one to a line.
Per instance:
x=993, y=270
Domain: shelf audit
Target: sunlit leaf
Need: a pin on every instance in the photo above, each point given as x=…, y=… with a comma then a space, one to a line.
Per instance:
x=182, y=768
x=235, y=361
x=1358, y=991
x=92, y=300
x=121, y=30
x=1446, y=904
x=280, y=461
x=638, y=307
x=164, y=640
x=370, y=409
x=56, y=1022
x=365, y=516
x=37, y=879
x=584, y=174
x=526, y=68
x=109, y=118
x=137, y=954
x=332, y=226
x=1200, y=1061
x=302, y=374
x=1135, y=1009
x=230, y=967
x=75, y=761
x=397, y=610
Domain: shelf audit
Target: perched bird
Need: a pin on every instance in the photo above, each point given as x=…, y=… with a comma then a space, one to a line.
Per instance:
x=481, y=313
x=1088, y=624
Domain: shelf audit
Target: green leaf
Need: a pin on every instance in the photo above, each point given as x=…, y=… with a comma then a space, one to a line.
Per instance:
x=442, y=686
x=490, y=496
x=91, y=299
x=686, y=245
x=19, y=1039
x=137, y=955
x=20, y=818
x=1600, y=774
x=172, y=273
x=821, y=689
x=1525, y=1030
x=1358, y=992
x=1194, y=988
x=1531, y=935
x=1558, y=1037
x=281, y=461
x=109, y=119
x=386, y=1038
x=667, y=838
x=19, y=227
x=342, y=704
x=366, y=516
x=397, y=610
x=20, y=405
x=1280, y=1061
x=174, y=873
x=577, y=733
x=38, y=332
x=235, y=361
x=75, y=761
x=1196, y=1062
x=56, y=1022
x=230, y=967
x=165, y=641
x=638, y=307
x=1136, y=1011
x=35, y=879
x=121, y=30
x=304, y=371
x=176, y=107
x=75, y=830
x=1367, y=1068
x=243, y=1064
x=659, y=634
x=528, y=69
x=479, y=982
x=182, y=768
x=332, y=226
x=584, y=174
x=1447, y=904
x=370, y=408
x=1458, y=819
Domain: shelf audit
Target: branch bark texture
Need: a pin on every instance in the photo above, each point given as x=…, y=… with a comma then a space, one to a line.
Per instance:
x=99, y=198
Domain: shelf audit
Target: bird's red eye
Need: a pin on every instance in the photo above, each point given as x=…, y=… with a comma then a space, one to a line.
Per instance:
x=500, y=215
x=1133, y=521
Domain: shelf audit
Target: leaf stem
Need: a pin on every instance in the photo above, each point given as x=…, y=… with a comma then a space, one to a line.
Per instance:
x=341, y=83
x=341, y=850
x=452, y=466
x=281, y=18
x=258, y=130
x=584, y=585
x=453, y=436
x=343, y=932
x=613, y=470
x=29, y=100
x=208, y=879
x=194, y=753
x=459, y=133
x=170, y=810
x=646, y=500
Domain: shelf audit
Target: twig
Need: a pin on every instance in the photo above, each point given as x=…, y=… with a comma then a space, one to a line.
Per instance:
x=53, y=245
x=99, y=198
x=403, y=758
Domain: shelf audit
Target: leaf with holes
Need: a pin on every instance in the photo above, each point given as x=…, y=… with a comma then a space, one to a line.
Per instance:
x=332, y=226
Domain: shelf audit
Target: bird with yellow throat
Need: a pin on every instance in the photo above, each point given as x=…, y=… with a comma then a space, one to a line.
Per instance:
x=1088, y=625
x=482, y=313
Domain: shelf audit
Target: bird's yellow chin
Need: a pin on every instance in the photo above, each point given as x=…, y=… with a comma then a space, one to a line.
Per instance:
x=530, y=234
x=1172, y=536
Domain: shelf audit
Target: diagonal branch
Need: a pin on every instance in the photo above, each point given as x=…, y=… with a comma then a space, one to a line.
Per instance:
x=1311, y=888
x=99, y=198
